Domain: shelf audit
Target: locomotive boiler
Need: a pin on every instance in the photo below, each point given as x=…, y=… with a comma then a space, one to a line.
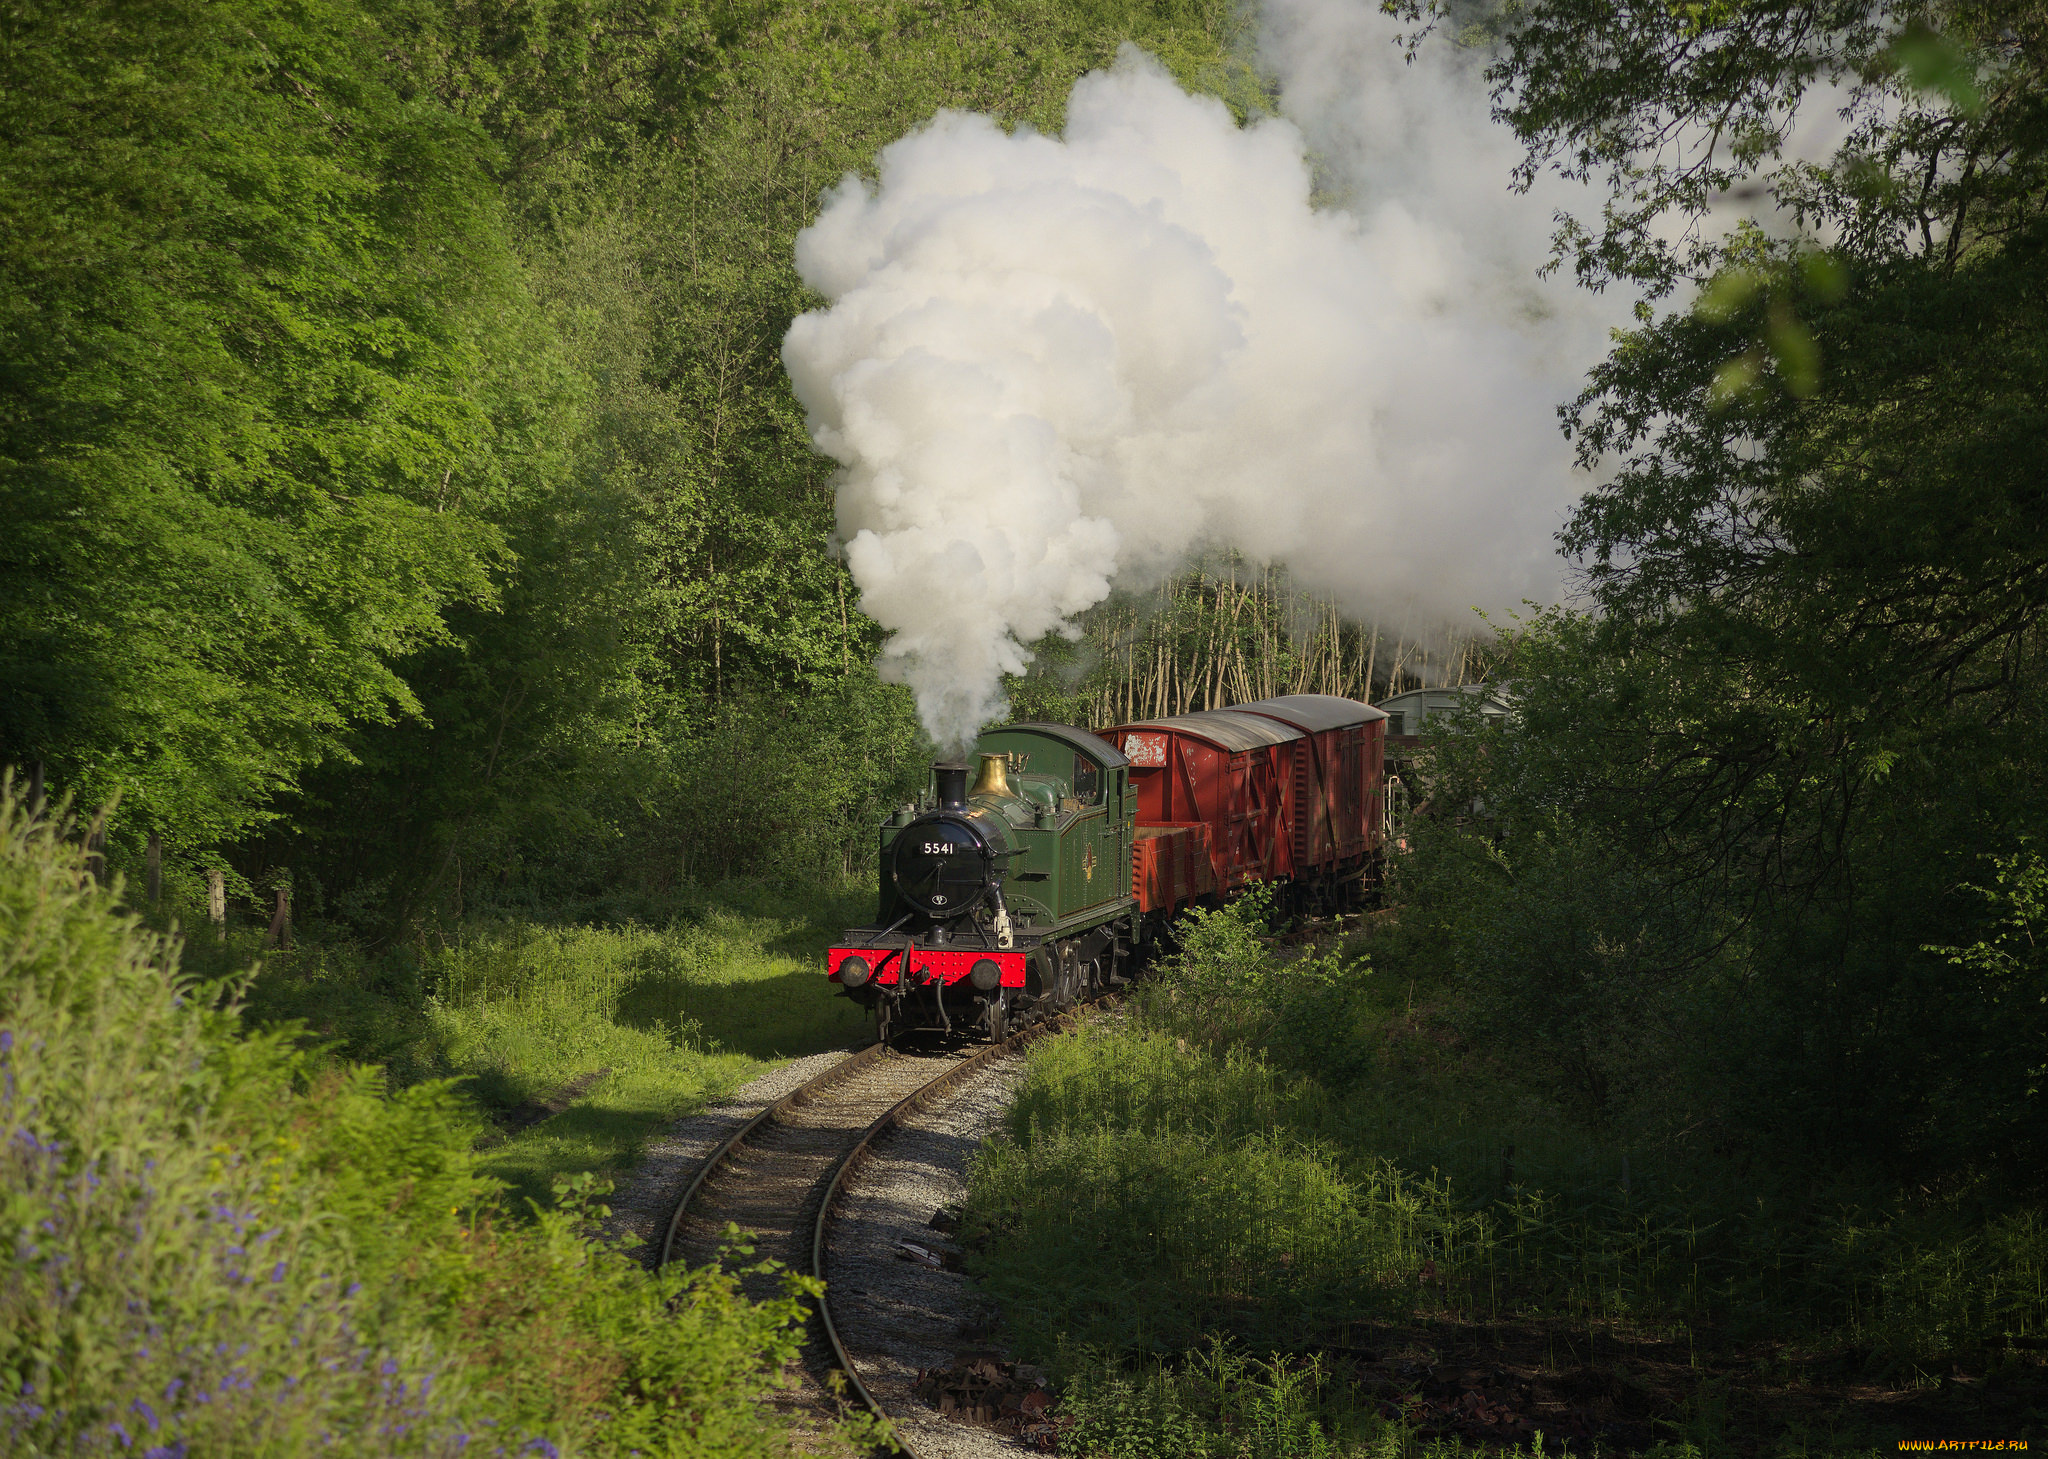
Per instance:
x=1023, y=880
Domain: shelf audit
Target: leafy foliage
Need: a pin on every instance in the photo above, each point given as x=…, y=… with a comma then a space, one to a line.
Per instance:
x=216, y=1242
x=674, y=677
x=1186, y=1185
x=267, y=399
x=1678, y=108
x=1691, y=892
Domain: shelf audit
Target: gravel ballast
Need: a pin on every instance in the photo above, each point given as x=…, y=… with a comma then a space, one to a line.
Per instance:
x=643, y=1203
x=894, y=1316
x=897, y=1316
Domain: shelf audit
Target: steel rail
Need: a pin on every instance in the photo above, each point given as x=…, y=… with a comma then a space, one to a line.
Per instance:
x=863, y=1150
x=860, y=1059
x=856, y=1156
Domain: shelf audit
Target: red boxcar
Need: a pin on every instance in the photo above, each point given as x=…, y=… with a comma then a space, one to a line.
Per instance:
x=1225, y=770
x=1339, y=771
x=1170, y=866
x=1282, y=789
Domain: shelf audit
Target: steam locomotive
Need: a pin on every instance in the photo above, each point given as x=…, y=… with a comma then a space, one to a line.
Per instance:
x=1009, y=899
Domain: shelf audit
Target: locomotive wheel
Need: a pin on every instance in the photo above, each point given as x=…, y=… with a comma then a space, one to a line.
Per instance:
x=1070, y=977
x=882, y=1020
x=997, y=1015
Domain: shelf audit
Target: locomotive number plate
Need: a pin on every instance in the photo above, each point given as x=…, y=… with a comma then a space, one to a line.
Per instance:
x=1147, y=750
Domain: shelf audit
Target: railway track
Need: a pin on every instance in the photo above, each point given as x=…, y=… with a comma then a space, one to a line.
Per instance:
x=780, y=1175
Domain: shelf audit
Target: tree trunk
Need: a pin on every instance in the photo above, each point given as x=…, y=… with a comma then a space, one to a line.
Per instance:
x=217, y=904
x=280, y=934
x=154, y=869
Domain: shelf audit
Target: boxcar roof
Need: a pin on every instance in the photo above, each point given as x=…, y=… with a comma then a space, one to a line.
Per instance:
x=1225, y=728
x=1314, y=712
x=1093, y=746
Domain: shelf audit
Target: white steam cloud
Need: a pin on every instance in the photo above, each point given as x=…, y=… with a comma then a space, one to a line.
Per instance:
x=1050, y=364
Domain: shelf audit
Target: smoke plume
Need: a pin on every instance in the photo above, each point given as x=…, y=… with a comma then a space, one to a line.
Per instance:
x=1051, y=364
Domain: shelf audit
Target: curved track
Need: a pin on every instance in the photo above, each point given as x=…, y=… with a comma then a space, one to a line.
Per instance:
x=779, y=1175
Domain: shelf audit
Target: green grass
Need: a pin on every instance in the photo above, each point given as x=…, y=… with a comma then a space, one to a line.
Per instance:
x=645, y=1023
x=580, y=1042
x=224, y=1244
x=1269, y=1158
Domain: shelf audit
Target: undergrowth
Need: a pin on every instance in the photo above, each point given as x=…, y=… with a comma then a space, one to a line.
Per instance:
x=576, y=1042
x=1218, y=1402
x=218, y=1243
x=1268, y=1154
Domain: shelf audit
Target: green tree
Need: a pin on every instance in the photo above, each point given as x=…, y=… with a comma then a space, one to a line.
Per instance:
x=1746, y=789
x=264, y=410
x=1678, y=109
x=676, y=674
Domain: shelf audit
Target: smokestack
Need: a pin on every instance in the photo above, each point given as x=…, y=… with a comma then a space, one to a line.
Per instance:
x=951, y=776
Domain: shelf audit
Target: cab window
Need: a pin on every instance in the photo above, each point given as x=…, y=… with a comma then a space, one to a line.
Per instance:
x=1087, y=781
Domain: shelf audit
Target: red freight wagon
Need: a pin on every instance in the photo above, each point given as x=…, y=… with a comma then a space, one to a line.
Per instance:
x=1228, y=771
x=1284, y=788
x=1338, y=769
x=1170, y=866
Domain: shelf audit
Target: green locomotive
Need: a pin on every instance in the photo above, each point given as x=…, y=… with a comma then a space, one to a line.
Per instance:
x=1005, y=900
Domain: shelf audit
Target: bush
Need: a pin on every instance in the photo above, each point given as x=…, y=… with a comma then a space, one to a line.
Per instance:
x=1216, y=1402
x=791, y=789
x=1572, y=957
x=1177, y=1173
x=1171, y=1180
x=217, y=1243
x=1118, y=1415
x=1227, y=987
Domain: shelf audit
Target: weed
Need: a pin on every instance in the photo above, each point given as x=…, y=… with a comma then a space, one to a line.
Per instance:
x=219, y=1243
x=1184, y=1173
x=580, y=1041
